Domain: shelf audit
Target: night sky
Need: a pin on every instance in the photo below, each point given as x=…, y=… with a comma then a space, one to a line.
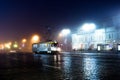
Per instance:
x=22, y=18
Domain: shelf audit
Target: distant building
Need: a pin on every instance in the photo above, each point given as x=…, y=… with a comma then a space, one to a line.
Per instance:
x=107, y=36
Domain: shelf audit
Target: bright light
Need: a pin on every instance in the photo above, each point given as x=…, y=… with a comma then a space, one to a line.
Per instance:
x=118, y=47
x=1, y=47
x=15, y=46
x=88, y=27
x=54, y=48
x=76, y=47
x=24, y=40
x=59, y=49
x=13, y=51
x=98, y=48
x=65, y=32
x=35, y=39
x=7, y=46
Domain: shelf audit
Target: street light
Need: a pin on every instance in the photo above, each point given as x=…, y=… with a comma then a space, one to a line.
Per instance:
x=35, y=38
x=23, y=44
x=65, y=33
x=15, y=45
x=24, y=41
x=88, y=26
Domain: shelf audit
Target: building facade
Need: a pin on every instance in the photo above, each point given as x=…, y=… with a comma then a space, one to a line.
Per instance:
x=108, y=37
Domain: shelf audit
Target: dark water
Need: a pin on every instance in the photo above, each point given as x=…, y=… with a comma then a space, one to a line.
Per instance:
x=67, y=66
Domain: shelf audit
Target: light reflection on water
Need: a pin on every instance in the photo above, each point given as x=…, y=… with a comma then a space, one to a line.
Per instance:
x=67, y=68
x=75, y=68
x=84, y=68
x=90, y=68
x=57, y=58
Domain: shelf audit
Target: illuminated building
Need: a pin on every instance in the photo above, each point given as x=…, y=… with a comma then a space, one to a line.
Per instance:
x=108, y=37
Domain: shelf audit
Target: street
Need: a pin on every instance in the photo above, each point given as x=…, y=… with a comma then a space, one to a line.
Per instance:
x=65, y=66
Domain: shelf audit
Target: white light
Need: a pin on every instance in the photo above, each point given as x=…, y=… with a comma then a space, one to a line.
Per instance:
x=98, y=48
x=56, y=49
x=88, y=26
x=118, y=47
x=92, y=26
x=65, y=32
x=53, y=48
x=59, y=49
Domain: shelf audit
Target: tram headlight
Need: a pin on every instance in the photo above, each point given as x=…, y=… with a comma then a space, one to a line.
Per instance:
x=53, y=49
x=56, y=49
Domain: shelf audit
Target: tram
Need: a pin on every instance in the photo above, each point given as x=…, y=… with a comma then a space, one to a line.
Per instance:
x=46, y=47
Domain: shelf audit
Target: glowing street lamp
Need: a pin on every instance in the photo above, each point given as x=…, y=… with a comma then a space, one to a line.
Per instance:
x=35, y=39
x=24, y=40
x=88, y=27
x=65, y=33
x=15, y=45
x=7, y=46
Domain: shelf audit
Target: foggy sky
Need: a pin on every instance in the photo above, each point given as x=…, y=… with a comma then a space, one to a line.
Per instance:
x=21, y=18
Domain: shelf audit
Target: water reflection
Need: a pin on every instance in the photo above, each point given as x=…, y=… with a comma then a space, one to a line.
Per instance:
x=67, y=62
x=57, y=58
x=90, y=68
x=76, y=68
x=70, y=68
x=49, y=60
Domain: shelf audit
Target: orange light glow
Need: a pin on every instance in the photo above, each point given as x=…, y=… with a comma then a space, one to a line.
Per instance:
x=24, y=40
x=35, y=39
x=1, y=46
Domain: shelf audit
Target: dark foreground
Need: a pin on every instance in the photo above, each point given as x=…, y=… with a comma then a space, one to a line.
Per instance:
x=66, y=66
